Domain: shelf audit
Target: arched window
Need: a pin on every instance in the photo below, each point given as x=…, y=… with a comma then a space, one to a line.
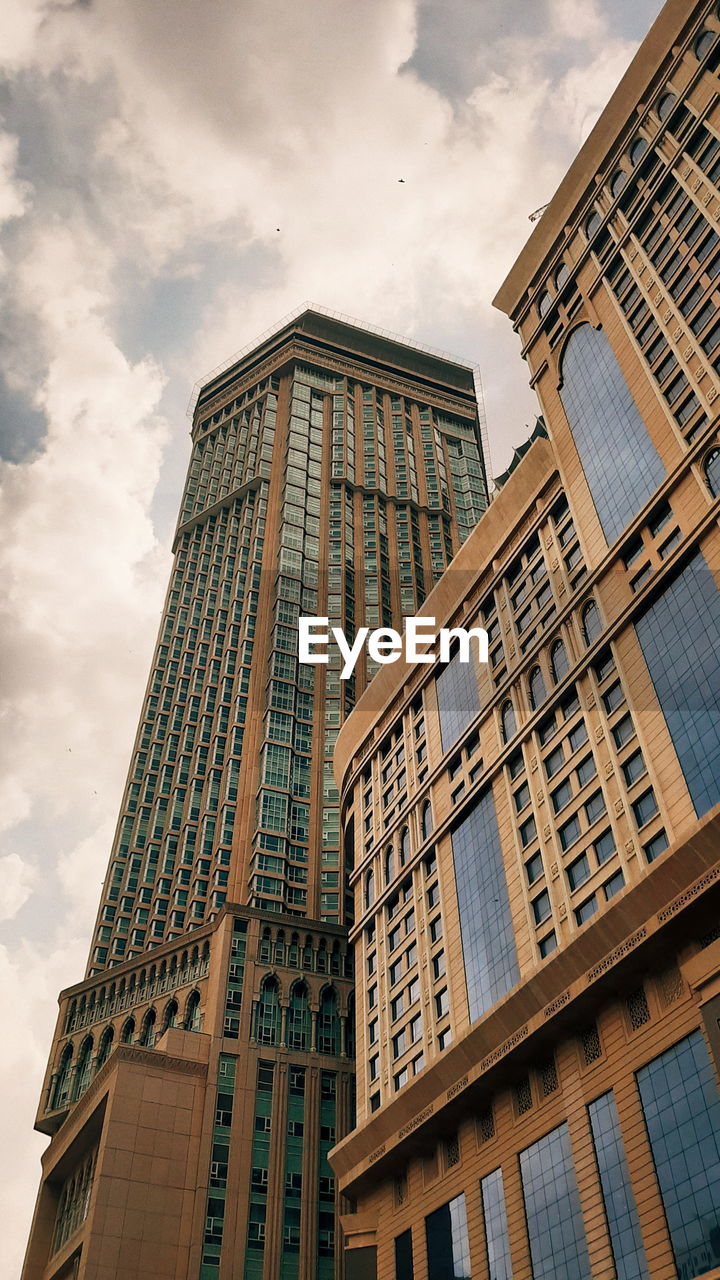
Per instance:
x=621, y=465
x=106, y=1045
x=562, y=275
x=369, y=888
x=192, y=1012
x=537, y=688
x=267, y=1019
x=665, y=105
x=329, y=1023
x=426, y=822
x=61, y=1090
x=299, y=1023
x=84, y=1067
x=147, y=1031
x=507, y=720
x=307, y=955
x=544, y=304
x=294, y=952
x=591, y=622
x=404, y=846
x=704, y=43
x=389, y=864
x=559, y=664
x=128, y=1031
x=170, y=1015
x=638, y=149
x=322, y=960
x=712, y=471
x=618, y=181
x=592, y=224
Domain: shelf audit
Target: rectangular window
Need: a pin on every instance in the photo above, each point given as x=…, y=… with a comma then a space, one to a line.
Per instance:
x=458, y=699
x=404, y=1257
x=497, y=1244
x=680, y=639
x=486, y=929
x=552, y=1209
x=620, y=1209
x=681, y=1105
x=446, y=1236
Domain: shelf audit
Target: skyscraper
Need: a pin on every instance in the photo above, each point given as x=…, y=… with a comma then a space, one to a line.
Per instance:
x=202, y=1070
x=536, y=937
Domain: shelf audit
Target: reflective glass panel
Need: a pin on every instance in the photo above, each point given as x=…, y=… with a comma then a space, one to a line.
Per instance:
x=620, y=1210
x=496, y=1228
x=680, y=639
x=552, y=1208
x=404, y=1257
x=682, y=1113
x=486, y=929
x=448, y=1250
x=620, y=462
x=458, y=699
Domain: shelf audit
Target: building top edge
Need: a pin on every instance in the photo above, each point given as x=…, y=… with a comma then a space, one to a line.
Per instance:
x=573, y=189
x=362, y=339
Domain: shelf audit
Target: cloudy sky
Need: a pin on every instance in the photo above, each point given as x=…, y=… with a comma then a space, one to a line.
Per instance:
x=175, y=177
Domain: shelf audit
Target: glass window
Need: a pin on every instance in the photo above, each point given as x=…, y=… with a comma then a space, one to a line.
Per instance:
x=712, y=471
x=552, y=1209
x=578, y=872
x=665, y=105
x=497, y=1245
x=704, y=43
x=591, y=622
x=404, y=1257
x=620, y=1210
x=509, y=726
x=618, y=181
x=537, y=688
x=592, y=224
x=586, y=910
x=604, y=846
x=569, y=832
x=682, y=1112
x=559, y=661
x=555, y=760
x=458, y=699
x=638, y=149
x=680, y=639
x=541, y=907
x=446, y=1235
x=534, y=868
x=656, y=846
x=620, y=462
x=486, y=929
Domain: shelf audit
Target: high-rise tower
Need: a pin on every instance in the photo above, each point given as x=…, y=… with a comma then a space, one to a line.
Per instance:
x=202, y=1070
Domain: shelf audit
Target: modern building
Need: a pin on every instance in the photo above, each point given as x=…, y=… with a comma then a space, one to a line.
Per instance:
x=537, y=944
x=203, y=1069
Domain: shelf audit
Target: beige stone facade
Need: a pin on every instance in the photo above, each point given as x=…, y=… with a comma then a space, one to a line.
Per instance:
x=536, y=906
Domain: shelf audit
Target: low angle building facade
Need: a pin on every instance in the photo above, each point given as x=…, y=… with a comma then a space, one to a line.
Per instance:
x=202, y=1070
x=536, y=936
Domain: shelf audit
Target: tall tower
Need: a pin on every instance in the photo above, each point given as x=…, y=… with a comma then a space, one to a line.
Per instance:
x=202, y=1071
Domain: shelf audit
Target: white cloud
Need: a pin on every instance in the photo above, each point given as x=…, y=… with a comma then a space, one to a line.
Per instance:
x=16, y=884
